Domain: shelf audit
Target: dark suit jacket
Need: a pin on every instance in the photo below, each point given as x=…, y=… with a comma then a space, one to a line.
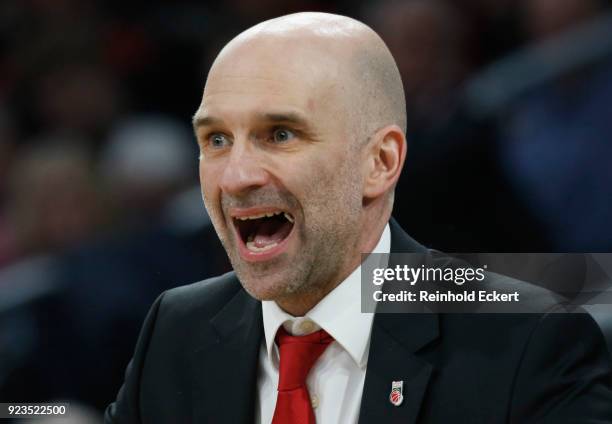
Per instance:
x=196, y=361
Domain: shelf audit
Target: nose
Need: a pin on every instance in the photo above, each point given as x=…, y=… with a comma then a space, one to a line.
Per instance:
x=243, y=171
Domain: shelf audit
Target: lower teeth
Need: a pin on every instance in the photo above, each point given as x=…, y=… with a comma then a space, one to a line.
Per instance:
x=251, y=246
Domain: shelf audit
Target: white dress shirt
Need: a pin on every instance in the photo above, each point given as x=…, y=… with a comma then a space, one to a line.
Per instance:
x=335, y=382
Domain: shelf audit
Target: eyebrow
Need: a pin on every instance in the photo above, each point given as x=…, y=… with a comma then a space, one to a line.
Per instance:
x=272, y=117
x=286, y=118
x=204, y=121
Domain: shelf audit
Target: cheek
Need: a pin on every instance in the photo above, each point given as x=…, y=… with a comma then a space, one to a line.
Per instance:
x=210, y=172
x=343, y=182
x=210, y=188
x=329, y=180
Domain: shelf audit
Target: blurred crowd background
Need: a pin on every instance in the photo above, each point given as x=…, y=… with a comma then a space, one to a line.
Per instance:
x=509, y=111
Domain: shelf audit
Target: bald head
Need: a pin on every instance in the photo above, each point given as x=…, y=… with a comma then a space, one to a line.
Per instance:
x=341, y=59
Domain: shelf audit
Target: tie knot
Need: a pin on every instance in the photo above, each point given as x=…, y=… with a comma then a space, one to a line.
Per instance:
x=297, y=356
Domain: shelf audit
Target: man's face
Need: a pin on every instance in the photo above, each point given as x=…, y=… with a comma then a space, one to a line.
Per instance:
x=279, y=170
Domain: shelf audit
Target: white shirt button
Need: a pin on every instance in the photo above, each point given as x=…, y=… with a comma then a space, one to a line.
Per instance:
x=314, y=401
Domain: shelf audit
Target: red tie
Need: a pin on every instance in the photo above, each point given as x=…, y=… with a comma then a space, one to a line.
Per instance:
x=297, y=356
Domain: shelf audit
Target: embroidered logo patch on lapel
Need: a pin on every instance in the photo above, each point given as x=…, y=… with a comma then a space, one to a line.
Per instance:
x=397, y=397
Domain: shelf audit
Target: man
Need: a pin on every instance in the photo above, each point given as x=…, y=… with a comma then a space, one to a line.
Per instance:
x=301, y=131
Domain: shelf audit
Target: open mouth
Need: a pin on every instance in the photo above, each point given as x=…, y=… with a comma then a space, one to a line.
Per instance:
x=262, y=232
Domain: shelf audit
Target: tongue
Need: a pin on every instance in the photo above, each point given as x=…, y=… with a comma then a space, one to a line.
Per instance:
x=270, y=232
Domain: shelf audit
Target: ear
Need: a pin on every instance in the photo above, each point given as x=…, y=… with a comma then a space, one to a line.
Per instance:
x=385, y=155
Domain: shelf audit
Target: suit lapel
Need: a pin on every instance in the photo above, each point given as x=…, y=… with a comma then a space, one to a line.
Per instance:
x=394, y=343
x=226, y=363
x=395, y=339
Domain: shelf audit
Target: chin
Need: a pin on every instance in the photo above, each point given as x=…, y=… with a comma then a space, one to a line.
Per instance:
x=268, y=291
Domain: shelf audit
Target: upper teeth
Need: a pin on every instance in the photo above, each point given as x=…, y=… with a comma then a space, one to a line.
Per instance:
x=265, y=215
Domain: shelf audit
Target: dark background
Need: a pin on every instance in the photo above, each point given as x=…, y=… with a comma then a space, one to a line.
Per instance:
x=509, y=111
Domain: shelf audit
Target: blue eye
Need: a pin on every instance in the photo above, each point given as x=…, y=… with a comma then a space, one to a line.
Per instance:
x=218, y=140
x=282, y=135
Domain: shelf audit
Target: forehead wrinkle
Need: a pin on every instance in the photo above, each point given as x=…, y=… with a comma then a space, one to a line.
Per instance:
x=287, y=92
x=261, y=66
x=266, y=81
x=215, y=92
x=230, y=80
x=221, y=104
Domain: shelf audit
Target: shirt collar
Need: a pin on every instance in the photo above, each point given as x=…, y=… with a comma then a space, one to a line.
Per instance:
x=338, y=313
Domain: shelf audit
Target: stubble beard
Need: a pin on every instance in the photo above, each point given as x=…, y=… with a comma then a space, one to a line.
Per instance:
x=328, y=238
